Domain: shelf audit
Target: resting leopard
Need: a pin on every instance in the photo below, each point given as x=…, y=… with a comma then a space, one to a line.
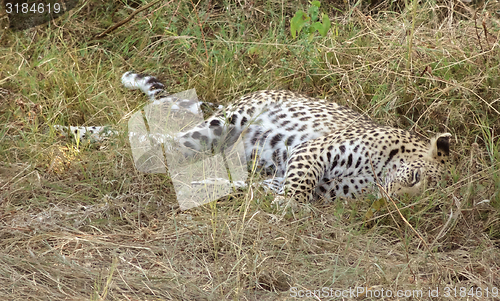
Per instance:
x=315, y=149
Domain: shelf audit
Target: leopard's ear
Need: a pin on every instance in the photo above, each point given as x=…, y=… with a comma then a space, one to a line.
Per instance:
x=439, y=147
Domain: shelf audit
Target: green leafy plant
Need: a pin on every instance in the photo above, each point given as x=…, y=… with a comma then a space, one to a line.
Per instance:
x=309, y=22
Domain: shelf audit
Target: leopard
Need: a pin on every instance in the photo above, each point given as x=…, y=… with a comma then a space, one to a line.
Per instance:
x=310, y=148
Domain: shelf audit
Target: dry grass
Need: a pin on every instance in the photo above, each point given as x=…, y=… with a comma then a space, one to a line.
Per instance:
x=81, y=223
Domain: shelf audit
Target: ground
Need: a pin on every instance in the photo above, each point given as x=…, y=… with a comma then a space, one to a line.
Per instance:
x=79, y=222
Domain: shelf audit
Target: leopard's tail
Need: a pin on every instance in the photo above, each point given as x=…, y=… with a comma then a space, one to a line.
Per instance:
x=148, y=84
x=155, y=90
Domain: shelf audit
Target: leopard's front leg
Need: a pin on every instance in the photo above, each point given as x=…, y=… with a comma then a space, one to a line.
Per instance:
x=305, y=168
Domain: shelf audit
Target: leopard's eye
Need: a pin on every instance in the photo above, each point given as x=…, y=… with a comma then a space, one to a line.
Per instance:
x=415, y=177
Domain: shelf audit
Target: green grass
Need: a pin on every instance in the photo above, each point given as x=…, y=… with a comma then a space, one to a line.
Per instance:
x=82, y=223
